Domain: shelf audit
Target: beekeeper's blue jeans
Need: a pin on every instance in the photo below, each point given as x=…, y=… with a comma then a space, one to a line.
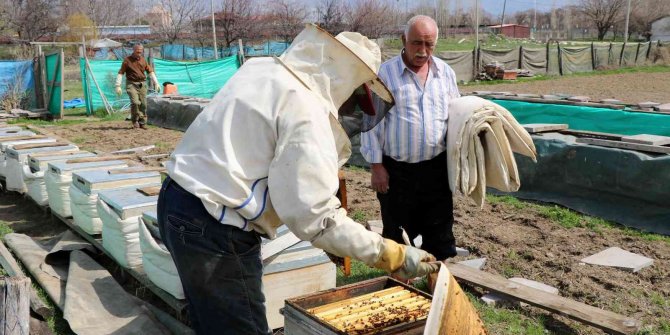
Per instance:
x=219, y=265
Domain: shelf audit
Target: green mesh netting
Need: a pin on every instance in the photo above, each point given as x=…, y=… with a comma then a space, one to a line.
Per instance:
x=198, y=79
x=589, y=118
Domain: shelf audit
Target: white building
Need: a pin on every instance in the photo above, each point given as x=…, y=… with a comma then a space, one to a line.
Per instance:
x=660, y=29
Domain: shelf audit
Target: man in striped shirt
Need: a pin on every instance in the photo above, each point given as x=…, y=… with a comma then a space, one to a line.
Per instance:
x=407, y=149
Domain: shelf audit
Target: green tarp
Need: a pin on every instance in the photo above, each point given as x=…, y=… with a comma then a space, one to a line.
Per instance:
x=197, y=79
x=589, y=118
x=623, y=186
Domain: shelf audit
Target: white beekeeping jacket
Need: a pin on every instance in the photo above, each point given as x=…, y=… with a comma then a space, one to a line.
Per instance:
x=267, y=149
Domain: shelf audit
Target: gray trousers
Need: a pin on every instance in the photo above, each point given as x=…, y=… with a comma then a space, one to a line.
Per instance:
x=137, y=92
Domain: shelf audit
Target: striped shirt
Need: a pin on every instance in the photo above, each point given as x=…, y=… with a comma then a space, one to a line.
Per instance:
x=415, y=129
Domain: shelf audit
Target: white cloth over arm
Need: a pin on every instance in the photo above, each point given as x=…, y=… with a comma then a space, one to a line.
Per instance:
x=481, y=139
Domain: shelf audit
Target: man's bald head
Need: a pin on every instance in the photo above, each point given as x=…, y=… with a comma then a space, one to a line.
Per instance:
x=138, y=50
x=419, y=41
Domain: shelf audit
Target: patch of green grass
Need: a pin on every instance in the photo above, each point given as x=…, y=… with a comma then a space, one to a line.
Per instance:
x=659, y=299
x=5, y=229
x=63, y=122
x=509, y=271
x=636, y=69
x=468, y=44
x=508, y=321
x=359, y=216
x=506, y=199
x=359, y=272
x=79, y=139
x=356, y=168
x=56, y=322
x=162, y=145
x=561, y=215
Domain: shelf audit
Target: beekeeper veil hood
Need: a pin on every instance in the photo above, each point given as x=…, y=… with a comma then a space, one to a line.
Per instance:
x=341, y=70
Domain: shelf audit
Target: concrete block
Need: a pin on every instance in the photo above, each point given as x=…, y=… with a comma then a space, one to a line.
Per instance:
x=579, y=98
x=551, y=97
x=544, y=127
x=664, y=108
x=494, y=300
x=619, y=258
x=612, y=101
x=647, y=104
x=647, y=139
x=477, y=263
x=376, y=225
x=462, y=252
x=528, y=95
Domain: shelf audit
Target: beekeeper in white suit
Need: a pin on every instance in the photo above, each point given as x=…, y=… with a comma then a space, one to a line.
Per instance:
x=266, y=152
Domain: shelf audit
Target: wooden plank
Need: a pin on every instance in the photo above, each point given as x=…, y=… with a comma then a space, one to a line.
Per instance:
x=21, y=138
x=150, y=191
x=592, y=134
x=8, y=262
x=137, y=170
x=625, y=145
x=137, y=149
x=99, y=159
x=608, y=321
x=40, y=145
x=14, y=305
x=647, y=139
x=59, y=153
x=533, y=128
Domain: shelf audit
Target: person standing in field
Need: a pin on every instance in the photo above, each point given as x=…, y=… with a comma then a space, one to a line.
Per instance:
x=135, y=67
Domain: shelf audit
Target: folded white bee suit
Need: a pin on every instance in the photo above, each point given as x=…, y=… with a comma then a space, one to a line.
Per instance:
x=267, y=149
x=481, y=139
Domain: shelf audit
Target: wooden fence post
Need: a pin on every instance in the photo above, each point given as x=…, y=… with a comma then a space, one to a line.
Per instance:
x=623, y=49
x=637, y=52
x=521, y=57
x=14, y=305
x=560, y=59
x=547, y=57
x=593, y=57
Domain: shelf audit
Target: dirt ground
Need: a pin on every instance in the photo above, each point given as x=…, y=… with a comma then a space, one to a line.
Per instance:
x=118, y=135
x=627, y=87
x=516, y=241
x=520, y=242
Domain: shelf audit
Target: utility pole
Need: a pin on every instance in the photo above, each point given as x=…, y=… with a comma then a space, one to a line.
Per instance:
x=502, y=21
x=625, y=34
x=216, y=50
x=534, y=19
x=476, y=24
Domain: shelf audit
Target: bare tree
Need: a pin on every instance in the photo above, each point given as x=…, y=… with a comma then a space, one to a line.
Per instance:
x=331, y=15
x=179, y=14
x=101, y=12
x=29, y=19
x=644, y=13
x=603, y=13
x=237, y=20
x=286, y=18
x=369, y=17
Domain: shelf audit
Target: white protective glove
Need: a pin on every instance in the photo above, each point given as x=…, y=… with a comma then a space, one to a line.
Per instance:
x=117, y=84
x=154, y=81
